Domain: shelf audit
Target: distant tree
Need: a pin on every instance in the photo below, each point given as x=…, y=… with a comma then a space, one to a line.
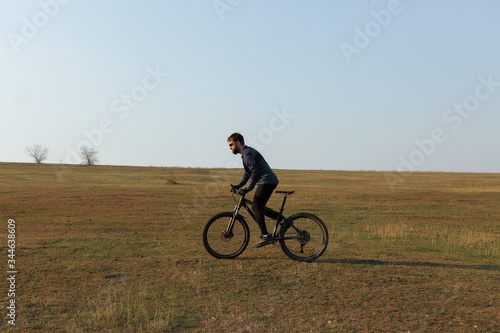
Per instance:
x=88, y=155
x=38, y=153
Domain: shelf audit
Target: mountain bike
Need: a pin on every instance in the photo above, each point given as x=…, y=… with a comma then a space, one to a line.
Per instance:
x=302, y=236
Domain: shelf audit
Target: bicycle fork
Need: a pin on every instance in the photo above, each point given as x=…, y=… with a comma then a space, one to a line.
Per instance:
x=229, y=230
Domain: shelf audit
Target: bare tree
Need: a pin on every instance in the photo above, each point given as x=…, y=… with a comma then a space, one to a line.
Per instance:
x=89, y=155
x=37, y=152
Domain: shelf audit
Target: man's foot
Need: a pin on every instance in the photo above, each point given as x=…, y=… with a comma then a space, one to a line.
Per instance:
x=265, y=240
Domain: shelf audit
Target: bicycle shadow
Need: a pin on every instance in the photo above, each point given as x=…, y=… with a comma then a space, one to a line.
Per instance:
x=373, y=262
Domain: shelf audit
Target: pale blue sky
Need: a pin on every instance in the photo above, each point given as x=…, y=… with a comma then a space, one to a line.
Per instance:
x=343, y=85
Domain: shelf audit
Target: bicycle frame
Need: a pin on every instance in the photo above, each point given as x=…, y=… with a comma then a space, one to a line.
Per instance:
x=280, y=218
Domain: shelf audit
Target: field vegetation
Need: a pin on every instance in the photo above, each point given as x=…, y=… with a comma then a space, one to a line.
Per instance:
x=118, y=249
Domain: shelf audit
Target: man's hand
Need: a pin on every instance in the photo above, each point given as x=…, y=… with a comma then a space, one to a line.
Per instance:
x=235, y=188
x=243, y=191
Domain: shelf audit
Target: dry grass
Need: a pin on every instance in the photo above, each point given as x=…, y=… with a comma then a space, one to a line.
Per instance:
x=451, y=239
x=118, y=249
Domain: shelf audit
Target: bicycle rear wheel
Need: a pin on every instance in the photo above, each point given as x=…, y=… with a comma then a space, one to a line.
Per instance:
x=224, y=244
x=304, y=237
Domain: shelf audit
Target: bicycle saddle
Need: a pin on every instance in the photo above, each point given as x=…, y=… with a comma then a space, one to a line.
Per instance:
x=285, y=192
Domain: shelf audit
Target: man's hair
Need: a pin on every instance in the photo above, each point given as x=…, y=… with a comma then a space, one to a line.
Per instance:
x=236, y=137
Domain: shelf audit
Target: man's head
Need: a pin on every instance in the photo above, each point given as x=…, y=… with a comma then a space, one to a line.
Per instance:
x=236, y=143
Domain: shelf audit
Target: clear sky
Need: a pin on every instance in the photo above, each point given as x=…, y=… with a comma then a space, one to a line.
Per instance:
x=343, y=85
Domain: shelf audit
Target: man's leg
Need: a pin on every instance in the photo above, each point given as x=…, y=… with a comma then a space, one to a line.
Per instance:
x=262, y=195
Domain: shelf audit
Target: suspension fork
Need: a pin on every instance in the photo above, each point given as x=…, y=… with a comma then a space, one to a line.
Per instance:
x=236, y=210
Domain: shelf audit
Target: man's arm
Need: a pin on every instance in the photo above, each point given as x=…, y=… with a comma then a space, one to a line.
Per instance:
x=243, y=180
x=253, y=170
x=246, y=175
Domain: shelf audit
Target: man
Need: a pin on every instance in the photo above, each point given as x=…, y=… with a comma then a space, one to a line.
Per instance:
x=259, y=173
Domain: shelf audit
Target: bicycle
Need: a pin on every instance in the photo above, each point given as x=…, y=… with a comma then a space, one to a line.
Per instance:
x=302, y=236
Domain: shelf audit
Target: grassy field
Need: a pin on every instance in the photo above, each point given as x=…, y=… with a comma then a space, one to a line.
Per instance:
x=118, y=249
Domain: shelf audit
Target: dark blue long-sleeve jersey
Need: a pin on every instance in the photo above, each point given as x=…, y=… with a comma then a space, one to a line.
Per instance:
x=256, y=169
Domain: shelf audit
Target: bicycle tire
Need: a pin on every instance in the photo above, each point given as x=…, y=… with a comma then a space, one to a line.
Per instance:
x=220, y=245
x=304, y=237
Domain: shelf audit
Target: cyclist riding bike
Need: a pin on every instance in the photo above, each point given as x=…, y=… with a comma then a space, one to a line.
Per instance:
x=257, y=172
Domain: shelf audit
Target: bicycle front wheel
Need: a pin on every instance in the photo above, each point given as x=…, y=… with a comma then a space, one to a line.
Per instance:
x=304, y=237
x=223, y=243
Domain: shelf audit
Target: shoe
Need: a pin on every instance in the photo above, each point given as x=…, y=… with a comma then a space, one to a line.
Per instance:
x=266, y=240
